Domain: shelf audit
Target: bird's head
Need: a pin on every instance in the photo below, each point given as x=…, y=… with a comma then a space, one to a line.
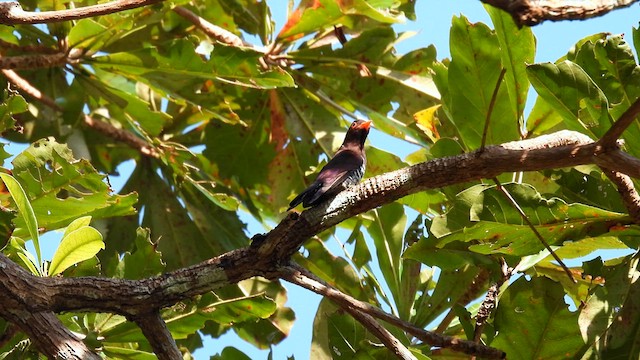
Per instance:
x=357, y=133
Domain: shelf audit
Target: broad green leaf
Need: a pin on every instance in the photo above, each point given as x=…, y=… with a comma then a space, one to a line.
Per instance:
x=77, y=224
x=266, y=332
x=542, y=118
x=518, y=48
x=569, y=90
x=184, y=319
x=224, y=201
x=387, y=231
x=178, y=65
x=611, y=64
x=11, y=105
x=17, y=252
x=87, y=34
x=230, y=353
x=334, y=270
x=143, y=261
x=76, y=246
x=63, y=189
x=608, y=322
x=450, y=257
x=118, y=352
x=25, y=210
x=533, y=321
x=473, y=74
x=443, y=293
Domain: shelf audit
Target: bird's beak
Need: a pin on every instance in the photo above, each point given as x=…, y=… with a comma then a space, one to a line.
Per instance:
x=365, y=125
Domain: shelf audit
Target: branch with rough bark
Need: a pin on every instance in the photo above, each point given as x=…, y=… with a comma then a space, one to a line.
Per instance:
x=534, y=12
x=11, y=13
x=268, y=254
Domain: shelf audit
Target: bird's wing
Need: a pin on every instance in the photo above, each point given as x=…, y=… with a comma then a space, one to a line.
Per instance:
x=337, y=170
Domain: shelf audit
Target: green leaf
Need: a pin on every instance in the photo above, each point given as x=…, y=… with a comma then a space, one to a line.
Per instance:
x=230, y=353
x=608, y=322
x=573, y=94
x=387, y=230
x=473, y=73
x=612, y=66
x=11, y=104
x=25, y=210
x=17, y=252
x=143, y=261
x=518, y=48
x=87, y=34
x=78, y=245
x=178, y=65
x=533, y=321
x=77, y=224
x=63, y=189
x=117, y=352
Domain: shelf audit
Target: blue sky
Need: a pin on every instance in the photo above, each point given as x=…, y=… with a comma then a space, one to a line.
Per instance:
x=432, y=27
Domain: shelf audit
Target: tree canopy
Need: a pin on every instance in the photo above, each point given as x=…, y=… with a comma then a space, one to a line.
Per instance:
x=465, y=246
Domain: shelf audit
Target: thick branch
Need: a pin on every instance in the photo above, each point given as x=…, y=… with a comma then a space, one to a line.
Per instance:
x=155, y=330
x=534, y=12
x=32, y=61
x=48, y=334
x=302, y=277
x=11, y=13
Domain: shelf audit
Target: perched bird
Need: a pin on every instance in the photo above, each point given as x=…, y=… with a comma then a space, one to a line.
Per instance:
x=346, y=168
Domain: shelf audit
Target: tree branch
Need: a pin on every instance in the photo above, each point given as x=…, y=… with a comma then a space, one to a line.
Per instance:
x=11, y=13
x=155, y=330
x=121, y=135
x=32, y=61
x=29, y=89
x=214, y=31
x=534, y=12
x=613, y=134
x=627, y=192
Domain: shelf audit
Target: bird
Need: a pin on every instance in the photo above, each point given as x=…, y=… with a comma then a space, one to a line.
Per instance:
x=345, y=169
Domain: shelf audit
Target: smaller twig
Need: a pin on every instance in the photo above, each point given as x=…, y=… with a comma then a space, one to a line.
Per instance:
x=627, y=191
x=122, y=135
x=4, y=45
x=492, y=103
x=214, y=31
x=533, y=228
x=610, y=138
x=29, y=89
x=490, y=300
x=338, y=31
x=470, y=294
x=302, y=277
x=11, y=13
x=155, y=330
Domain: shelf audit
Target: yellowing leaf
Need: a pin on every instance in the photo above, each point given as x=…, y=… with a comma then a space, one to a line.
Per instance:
x=427, y=120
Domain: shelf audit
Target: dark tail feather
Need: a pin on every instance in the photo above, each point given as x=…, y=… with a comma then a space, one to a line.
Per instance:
x=305, y=195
